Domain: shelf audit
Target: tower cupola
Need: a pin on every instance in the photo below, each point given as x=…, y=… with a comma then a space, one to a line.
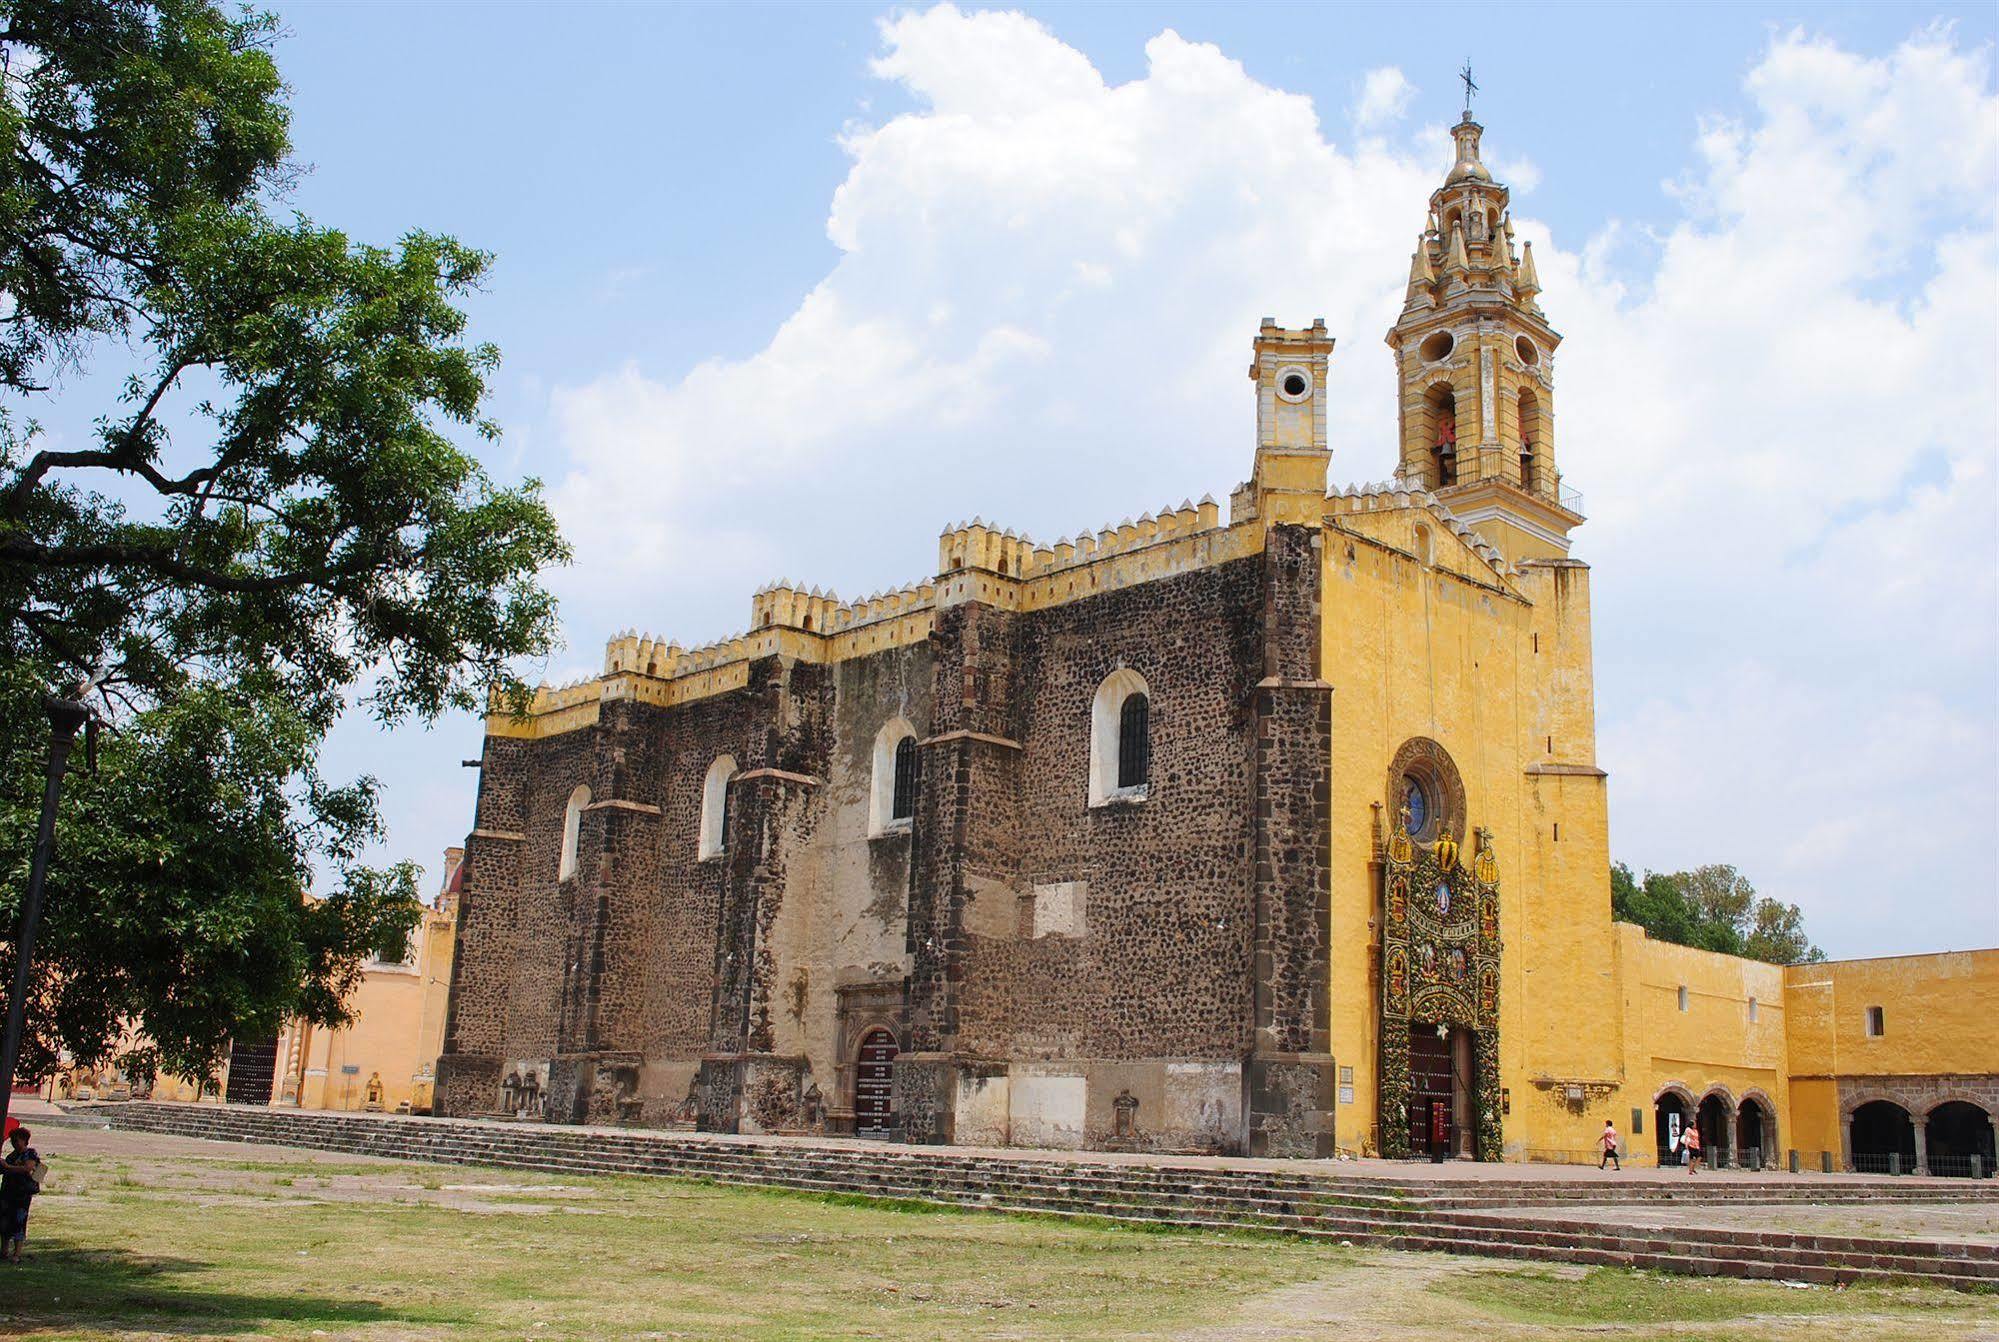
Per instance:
x=1468, y=168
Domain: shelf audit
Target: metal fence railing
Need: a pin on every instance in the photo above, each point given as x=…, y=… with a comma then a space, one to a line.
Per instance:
x=1492, y=463
x=1972, y=1166
x=1888, y=1162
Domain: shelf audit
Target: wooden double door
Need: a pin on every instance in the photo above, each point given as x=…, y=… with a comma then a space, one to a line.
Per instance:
x=1440, y=1091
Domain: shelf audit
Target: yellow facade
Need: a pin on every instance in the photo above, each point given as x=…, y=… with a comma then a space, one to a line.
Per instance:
x=1489, y=656
x=385, y=1058
x=1938, y=1039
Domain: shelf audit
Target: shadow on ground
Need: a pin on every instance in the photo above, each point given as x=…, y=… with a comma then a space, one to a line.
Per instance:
x=60, y=1287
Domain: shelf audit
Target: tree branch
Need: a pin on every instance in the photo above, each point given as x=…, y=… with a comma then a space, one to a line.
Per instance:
x=21, y=550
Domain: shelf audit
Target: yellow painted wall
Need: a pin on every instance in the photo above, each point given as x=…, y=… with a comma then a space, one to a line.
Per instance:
x=1497, y=671
x=395, y=1035
x=1940, y=1017
x=1719, y=1042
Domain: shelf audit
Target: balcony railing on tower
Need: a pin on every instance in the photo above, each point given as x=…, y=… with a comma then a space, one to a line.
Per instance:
x=1519, y=470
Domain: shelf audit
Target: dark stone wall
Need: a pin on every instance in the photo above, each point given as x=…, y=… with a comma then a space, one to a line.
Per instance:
x=1204, y=911
x=1162, y=969
x=1292, y=1083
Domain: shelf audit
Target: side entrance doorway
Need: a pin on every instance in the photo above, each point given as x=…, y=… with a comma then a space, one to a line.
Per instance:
x=874, y=1077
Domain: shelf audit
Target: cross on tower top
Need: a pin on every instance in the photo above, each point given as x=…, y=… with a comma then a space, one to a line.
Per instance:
x=1470, y=87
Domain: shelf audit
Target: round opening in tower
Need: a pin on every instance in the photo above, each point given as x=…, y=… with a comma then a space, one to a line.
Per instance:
x=1525, y=349
x=1295, y=385
x=1437, y=346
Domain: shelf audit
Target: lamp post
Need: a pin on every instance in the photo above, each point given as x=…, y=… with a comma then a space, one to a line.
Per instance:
x=66, y=716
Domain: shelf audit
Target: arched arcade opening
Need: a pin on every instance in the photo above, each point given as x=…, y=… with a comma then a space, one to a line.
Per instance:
x=1959, y=1138
x=1755, y=1134
x=1670, y=1118
x=1884, y=1139
x=1712, y=1119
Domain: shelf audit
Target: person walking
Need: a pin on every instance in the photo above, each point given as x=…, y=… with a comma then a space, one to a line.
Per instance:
x=1693, y=1144
x=18, y=1186
x=1609, y=1142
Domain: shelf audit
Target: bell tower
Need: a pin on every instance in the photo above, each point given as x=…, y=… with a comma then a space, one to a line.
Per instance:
x=1474, y=358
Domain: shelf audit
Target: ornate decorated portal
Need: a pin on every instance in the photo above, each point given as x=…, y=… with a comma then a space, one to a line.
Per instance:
x=1439, y=969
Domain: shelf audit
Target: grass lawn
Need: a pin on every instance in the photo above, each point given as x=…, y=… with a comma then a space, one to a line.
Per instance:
x=143, y=1237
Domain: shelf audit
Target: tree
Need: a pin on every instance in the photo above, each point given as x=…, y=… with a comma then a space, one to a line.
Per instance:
x=1777, y=934
x=1720, y=894
x=1715, y=908
x=177, y=901
x=271, y=508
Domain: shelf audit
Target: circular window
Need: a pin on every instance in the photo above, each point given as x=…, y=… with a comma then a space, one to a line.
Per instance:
x=1417, y=802
x=1425, y=792
x=1525, y=349
x=1438, y=346
x=1294, y=384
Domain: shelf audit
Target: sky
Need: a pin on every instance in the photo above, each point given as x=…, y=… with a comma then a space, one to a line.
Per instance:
x=783, y=291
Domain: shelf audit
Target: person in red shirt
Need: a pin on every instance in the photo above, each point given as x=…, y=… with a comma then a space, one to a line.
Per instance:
x=1693, y=1145
x=1609, y=1143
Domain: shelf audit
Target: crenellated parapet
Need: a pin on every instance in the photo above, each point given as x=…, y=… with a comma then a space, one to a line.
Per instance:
x=978, y=545
x=1387, y=496
x=645, y=654
x=815, y=610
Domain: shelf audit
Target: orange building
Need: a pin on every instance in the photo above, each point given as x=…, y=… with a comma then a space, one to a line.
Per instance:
x=384, y=1058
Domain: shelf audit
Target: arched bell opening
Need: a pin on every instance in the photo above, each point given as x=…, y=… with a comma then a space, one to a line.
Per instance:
x=1442, y=404
x=1533, y=461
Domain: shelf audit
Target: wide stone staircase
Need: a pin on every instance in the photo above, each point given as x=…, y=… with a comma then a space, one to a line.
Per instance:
x=1598, y=1225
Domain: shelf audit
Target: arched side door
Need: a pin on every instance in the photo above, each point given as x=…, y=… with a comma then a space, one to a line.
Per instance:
x=874, y=1075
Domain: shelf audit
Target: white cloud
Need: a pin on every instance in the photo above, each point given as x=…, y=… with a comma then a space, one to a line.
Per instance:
x=1385, y=95
x=1782, y=418
x=1522, y=175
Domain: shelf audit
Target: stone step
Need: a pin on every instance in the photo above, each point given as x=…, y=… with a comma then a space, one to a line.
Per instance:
x=1357, y=1188
x=1380, y=1213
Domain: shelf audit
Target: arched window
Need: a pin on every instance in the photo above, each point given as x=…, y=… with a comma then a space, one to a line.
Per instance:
x=715, y=808
x=1134, y=740
x=1120, y=738
x=892, y=794
x=904, y=807
x=572, y=829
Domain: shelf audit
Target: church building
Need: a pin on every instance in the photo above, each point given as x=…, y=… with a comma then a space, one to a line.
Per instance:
x=1281, y=834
